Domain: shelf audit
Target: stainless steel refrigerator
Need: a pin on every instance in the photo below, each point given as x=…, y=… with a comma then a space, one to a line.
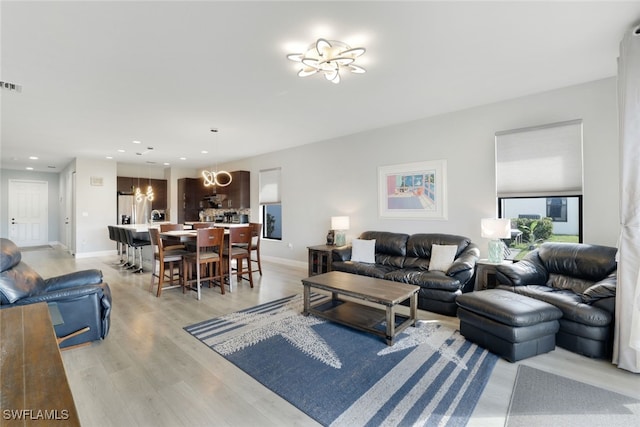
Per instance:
x=132, y=211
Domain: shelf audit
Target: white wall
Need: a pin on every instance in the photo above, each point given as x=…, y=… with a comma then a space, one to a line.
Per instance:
x=95, y=206
x=339, y=177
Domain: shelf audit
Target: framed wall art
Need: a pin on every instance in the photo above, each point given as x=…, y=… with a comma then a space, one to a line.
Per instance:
x=413, y=190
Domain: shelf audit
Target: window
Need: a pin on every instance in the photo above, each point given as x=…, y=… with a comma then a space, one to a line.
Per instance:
x=539, y=183
x=270, y=204
x=272, y=222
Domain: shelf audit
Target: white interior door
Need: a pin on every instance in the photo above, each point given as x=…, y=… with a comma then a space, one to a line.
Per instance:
x=28, y=212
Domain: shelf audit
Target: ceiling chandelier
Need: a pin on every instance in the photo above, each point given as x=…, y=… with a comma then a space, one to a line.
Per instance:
x=328, y=57
x=216, y=178
x=149, y=195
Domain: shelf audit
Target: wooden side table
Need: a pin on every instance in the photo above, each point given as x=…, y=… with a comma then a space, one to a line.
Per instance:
x=486, y=274
x=319, y=259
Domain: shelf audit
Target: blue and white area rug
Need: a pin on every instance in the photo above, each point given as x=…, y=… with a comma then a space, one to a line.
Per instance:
x=343, y=377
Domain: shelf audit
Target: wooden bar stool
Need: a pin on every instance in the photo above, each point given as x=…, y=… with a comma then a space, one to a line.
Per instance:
x=165, y=256
x=238, y=248
x=209, y=243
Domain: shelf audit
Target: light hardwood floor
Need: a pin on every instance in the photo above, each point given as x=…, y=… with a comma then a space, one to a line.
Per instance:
x=150, y=372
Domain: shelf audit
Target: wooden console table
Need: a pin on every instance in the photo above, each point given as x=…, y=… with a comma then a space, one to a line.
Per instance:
x=34, y=390
x=383, y=322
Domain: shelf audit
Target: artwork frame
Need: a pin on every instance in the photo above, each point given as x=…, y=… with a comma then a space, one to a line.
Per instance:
x=415, y=190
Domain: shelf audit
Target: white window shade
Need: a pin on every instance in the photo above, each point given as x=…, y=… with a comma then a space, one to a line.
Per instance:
x=544, y=160
x=269, y=187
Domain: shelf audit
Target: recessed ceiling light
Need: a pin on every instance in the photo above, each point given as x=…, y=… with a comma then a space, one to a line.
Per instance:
x=166, y=163
x=204, y=152
x=121, y=151
x=33, y=158
x=137, y=142
x=109, y=157
x=29, y=168
x=183, y=158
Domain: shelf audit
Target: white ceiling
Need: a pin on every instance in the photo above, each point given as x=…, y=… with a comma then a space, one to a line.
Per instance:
x=97, y=75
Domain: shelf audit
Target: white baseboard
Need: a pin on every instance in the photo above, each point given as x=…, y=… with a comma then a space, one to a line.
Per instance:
x=96, y=254
x=285, y=261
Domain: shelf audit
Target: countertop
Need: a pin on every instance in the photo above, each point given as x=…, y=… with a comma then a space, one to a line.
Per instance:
x=218, y=224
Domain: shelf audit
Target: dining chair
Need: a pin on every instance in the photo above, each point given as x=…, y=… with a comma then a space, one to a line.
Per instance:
x=171, y=227
x=238, y=249
x=209, y=242
x=165, y=256
x=256, y=231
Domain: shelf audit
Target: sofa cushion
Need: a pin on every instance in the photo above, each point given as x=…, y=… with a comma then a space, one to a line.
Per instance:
x=19, y=282
x=363, y=250
x=419, y=247
x=589, y=262
x=9, y=255
x=425, y=279
x=391, y=248
x=442, y=257
x=363, y=269
x=574, y=284
x=567, y=301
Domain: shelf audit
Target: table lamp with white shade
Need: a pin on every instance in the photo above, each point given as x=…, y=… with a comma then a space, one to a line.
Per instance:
x=339, y=224
x=496, y=229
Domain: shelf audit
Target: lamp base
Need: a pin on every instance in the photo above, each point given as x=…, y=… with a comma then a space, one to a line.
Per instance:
x=496, y=254
x=341, y=238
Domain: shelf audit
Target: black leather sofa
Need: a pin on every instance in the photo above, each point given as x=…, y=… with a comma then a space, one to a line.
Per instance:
x=81, y=297
x=580, y=280
x=405, y=258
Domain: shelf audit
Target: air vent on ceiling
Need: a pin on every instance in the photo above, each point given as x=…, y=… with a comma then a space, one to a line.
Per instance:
x=10, y=86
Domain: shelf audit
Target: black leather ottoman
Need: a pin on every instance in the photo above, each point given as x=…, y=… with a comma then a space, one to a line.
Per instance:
x=510, y=325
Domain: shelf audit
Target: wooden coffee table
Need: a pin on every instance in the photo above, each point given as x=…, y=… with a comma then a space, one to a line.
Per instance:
x=385, y=323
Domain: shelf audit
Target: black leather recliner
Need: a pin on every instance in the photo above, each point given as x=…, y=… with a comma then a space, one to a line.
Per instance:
x=82, y=298
x=580, y=280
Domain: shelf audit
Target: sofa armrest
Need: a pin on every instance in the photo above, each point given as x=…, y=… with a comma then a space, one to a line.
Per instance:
x=63, y=294
x=342, y=253
x=80, y=307
x=525, y=272
x=466, y=261
x=71, y=280
x=605, y=288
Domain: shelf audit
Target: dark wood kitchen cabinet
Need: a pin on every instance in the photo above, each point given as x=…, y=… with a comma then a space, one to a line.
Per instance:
x=191, y=192
x=128, y=185
x=238, y=192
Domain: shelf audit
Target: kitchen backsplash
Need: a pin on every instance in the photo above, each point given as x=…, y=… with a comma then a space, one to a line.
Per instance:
x=212, y=212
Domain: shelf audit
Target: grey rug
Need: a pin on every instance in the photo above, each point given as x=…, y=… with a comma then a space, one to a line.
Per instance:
x=543, y=399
